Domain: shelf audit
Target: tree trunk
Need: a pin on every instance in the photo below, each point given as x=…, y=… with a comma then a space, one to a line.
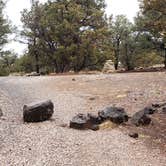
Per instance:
x=117, y=54
x=165, y=58
x=127, y=58
x=37, y=62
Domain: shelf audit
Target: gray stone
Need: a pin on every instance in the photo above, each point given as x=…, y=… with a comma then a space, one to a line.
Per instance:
x=108, y=66
x=80, y=121
x=95, y=127
x=94, y=119
x=164, y=110
x=115, y=114
x=38, y=112
x=140, y=118
x=149, y=110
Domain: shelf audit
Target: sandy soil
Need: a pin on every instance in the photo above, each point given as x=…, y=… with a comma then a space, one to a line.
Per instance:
x=50, y=144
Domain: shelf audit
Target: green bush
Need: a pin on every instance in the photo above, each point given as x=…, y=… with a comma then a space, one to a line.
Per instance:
x=147, y=59
x=4, y=71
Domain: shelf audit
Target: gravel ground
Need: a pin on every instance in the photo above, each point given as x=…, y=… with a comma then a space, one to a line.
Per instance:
x=49, y=144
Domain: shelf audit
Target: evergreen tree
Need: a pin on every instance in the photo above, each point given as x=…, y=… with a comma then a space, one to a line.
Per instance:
x=153, y=16
x=4, y=27
x=120, y=28
x=68, y=34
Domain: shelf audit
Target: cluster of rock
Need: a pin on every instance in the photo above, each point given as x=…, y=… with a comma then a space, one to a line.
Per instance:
x=116, y=115
x=108, y=67
x=38, y=112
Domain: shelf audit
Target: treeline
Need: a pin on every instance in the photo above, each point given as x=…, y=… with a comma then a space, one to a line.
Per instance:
x=64, y=35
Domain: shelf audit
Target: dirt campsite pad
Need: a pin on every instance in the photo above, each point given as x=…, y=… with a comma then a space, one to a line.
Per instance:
x=52, y=142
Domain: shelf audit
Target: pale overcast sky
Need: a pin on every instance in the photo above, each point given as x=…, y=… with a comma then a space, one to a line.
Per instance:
x=115, y=7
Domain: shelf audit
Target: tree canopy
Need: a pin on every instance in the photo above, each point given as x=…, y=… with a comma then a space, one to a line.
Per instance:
x=69, y=34
x=153, y=15
x=64, y=35
x=4, y=27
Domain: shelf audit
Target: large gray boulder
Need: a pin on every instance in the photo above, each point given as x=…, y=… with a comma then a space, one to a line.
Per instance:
x=108, y=67
x=115, y=114
x=38, y=112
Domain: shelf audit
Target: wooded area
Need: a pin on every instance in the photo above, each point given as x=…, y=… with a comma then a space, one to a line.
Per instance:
x=74, y=35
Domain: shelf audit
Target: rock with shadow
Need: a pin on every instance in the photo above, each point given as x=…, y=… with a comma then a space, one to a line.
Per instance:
x=115, y=114
x=38, y=112
x=80, y=121
x=142, y=117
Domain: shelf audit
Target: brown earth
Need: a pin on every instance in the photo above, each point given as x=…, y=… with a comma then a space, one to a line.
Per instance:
x=53, y=143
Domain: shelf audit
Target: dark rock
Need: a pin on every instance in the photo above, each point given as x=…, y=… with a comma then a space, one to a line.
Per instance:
x=156, y=105
x=95, y=127
x=37, y=112
x=92, y=98
x=159, y=105
x=94, y=119
x=73, y=79
x=115, y=114
x=140, y=118
x=133, y=135
x=80, y=121
x=1, y=113
x=164, y=110
x=149, y=110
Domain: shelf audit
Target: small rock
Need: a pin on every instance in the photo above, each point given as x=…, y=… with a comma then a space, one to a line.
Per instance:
x=95, y=127
x=92, y=98
x=63, y=125
x=159, y=105
x=149, y=110
x=1, y=113
x=140, y=118
x=80, y=121
x=37, y=112
x=115, y=114
x=133, y=135
x=73, y=79
x=156, y=105
x=94, y=119
x=164, y=110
